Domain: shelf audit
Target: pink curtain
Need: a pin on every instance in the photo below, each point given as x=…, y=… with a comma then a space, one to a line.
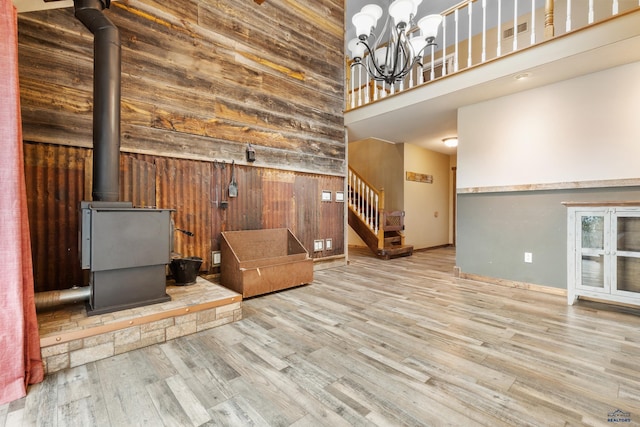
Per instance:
x=20, y=360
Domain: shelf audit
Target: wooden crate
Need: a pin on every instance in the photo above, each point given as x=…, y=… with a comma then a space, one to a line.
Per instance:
x=256, y=262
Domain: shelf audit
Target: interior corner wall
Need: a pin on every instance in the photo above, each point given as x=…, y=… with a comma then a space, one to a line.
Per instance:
x=453, y=177
x=426, y=205
x=381, y=164
x=566, y=135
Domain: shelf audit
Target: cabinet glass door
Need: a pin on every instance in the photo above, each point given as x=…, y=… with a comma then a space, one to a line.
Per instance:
x=593, y=239
x=627, y=253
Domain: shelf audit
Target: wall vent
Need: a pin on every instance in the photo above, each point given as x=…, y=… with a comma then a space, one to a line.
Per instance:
x=521, y=29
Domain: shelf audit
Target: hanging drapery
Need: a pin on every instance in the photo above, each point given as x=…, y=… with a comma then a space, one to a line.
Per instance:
x=20, y=361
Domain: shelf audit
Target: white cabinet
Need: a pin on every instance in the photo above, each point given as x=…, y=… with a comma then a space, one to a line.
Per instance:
x=603, y=256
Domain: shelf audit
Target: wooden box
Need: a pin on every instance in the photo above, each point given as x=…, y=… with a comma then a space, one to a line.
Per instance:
x=256, y=262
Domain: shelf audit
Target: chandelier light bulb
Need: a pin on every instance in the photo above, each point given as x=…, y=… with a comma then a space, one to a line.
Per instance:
x=363, y=23
x=401, y=11
x=357, y=49
x=374, y=10
x=391, y=55
x=418, y=44
x=429, y=27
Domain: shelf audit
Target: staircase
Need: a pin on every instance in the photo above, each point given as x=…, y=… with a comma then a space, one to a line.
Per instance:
x=382, y=231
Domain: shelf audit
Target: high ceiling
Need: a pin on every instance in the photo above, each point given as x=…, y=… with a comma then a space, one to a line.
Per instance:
x=424, y=116
x=428, y=114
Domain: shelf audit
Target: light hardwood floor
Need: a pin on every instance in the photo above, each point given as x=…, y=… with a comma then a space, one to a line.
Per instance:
x=398, y=342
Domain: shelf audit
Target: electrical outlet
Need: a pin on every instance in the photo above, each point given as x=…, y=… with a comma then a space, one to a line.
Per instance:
x=528, y=257
x=328, y=244
x=215, y=258
x=318, y=245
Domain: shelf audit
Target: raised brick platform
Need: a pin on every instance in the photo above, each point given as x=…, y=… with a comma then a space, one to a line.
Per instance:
x=69, y=338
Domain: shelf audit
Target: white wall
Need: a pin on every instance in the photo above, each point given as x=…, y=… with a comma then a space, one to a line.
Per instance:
x=583, y=129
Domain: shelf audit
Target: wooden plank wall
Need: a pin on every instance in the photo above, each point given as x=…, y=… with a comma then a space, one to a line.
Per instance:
x=200, y=80
x=267, y=198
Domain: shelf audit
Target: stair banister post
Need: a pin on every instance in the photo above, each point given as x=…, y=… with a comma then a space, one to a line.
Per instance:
x=380, y=218
x=548, y=20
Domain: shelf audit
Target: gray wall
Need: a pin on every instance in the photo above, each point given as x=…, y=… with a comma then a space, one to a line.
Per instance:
x=496, y=229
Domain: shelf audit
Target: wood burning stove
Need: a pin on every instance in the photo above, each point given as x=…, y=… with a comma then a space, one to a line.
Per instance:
x=126, y=250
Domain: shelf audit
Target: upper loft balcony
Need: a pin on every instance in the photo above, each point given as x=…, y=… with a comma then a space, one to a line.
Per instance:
x=560, y=40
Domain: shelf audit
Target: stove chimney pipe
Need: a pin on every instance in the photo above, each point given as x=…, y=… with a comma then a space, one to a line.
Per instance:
x=106, y=98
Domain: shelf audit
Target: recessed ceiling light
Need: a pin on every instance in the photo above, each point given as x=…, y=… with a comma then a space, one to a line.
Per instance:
x=522, y=76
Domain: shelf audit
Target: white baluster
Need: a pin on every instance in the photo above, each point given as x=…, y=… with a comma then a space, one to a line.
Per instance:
x=371, y=195
x=365, y=193
x=355, y=193
x=401, y=84
x=411, y=75
x=366, y=88
x=533, y=22
x=359, y=85
x=432, y=75
x=354, y=189
x=366, y=204
x=568, y=26
x=444, y=47
x=515, y=25
x=614, y=7
x=455, y=45
x=499, y=44
x=363, y=210
x=376, y=218
x=353, y=88
x=361, y=197
x=484, y=30
x=470, y=13
x=591, y=13
x=349, y=187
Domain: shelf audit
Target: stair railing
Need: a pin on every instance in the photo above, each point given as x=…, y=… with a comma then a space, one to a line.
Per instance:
x=367, y=203
x=520, y=30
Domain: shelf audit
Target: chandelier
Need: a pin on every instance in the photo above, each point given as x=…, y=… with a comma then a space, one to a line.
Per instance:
x=391, y=54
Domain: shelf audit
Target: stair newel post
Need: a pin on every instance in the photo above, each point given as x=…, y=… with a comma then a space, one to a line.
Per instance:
x=549, y=29
x=380, y=219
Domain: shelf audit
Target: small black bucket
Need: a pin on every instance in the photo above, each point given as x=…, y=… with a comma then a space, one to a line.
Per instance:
x=185, y=270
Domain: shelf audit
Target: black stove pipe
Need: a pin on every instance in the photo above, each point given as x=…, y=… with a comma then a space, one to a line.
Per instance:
x=106, y=98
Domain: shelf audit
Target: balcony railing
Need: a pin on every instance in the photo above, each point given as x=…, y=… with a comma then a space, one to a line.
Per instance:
x=496, y=28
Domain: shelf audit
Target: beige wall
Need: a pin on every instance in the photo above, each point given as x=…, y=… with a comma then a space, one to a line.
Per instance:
x=426, y=206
